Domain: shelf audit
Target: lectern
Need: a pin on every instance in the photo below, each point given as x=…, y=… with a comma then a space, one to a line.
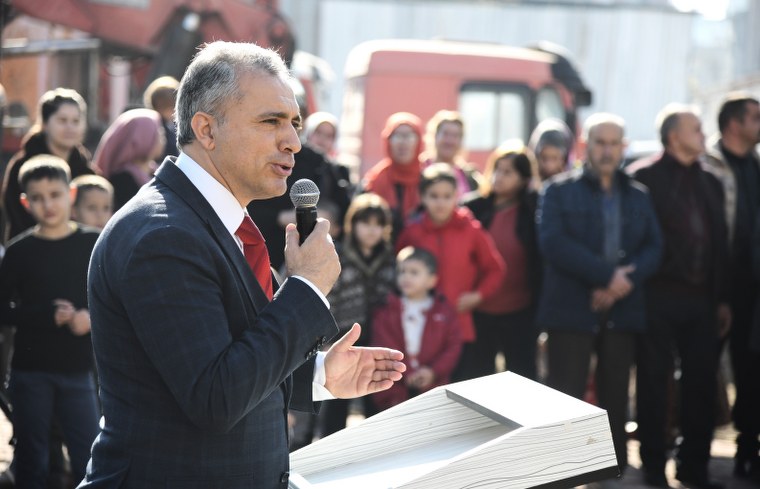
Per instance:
x=499, y=431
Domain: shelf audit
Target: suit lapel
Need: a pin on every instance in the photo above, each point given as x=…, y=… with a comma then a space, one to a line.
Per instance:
x=172, y=177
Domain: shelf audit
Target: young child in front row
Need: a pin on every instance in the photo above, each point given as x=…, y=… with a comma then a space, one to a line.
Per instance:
x=43, y=292
x=420, y=323
x=367, y=275
x=470, y=267
x=93, y=204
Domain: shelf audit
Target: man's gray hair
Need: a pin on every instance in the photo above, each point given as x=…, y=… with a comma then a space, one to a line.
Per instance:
x=667, y=119
x=601, y=119
x=211, y=82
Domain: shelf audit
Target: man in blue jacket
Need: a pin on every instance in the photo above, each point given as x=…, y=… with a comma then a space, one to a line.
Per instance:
x=600, y=241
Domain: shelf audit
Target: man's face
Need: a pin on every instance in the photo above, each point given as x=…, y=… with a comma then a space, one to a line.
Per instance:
x=749, y=128
x=688, y=135
x=604, y=148
x=256, y=139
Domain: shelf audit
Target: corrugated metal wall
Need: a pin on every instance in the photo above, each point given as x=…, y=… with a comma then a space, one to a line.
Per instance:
x=634, y=59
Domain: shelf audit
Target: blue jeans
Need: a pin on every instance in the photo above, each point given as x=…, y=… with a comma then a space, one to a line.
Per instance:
x=39, y=396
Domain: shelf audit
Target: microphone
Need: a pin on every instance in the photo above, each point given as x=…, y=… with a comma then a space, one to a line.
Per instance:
x=305, y=194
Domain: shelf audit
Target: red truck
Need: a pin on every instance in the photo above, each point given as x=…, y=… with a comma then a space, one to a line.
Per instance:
x=502, y=92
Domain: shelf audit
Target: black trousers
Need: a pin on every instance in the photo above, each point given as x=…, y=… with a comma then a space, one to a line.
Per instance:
x=514, y=334
x=682, y=325
x=569, y=356
x=745, y=364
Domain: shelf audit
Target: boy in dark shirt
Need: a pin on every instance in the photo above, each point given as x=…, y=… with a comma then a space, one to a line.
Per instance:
x=43, y=291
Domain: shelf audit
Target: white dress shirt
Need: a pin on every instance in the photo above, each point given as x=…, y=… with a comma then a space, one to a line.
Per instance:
x=231, y=214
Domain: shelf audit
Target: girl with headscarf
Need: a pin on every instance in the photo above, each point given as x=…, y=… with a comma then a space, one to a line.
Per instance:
x=396, y=177
x=127, y=152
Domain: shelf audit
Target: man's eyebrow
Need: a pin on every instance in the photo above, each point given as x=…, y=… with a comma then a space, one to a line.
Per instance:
x=280, y=115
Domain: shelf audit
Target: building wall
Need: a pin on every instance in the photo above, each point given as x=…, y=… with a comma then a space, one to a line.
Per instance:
x=633, y=57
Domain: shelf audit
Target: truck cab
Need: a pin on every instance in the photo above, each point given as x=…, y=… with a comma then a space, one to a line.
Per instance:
x=502, y=92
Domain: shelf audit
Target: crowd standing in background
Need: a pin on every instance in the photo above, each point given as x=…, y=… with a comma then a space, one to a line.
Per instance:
x=655, y=266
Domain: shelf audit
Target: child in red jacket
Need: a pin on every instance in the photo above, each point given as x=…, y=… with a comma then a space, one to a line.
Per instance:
x=470, y=267
x=419, y=323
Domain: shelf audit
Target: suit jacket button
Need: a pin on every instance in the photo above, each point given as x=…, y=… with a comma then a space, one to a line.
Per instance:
x=284, y=477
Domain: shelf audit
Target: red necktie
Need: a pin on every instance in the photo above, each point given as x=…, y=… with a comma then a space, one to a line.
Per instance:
x=256, y=254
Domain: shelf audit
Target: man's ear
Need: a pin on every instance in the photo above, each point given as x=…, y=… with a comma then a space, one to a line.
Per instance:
x=73, y=193
x=204, y=128
x=24, y=201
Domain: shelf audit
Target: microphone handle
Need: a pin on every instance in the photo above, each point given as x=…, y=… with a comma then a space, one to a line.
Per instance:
x=306, y=219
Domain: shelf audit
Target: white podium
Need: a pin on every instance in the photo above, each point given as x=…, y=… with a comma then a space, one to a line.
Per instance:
x=499, y=431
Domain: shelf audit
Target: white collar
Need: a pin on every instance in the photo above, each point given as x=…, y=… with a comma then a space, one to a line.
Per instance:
x=222, y=201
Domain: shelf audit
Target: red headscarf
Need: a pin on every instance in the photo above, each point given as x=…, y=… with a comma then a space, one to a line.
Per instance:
x=386, y=174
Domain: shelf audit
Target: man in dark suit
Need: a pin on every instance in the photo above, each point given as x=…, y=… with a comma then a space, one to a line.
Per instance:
x=687, y=309
x=197, y=362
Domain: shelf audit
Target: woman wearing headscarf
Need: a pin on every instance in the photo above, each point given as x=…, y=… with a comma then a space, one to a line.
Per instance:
x=59, y=130
x=320, y=131
x=396, y=177
x=127, y=152
x=552, y=143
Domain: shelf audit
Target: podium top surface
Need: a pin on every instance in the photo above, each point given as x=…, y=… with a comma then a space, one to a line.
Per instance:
x=513, y=400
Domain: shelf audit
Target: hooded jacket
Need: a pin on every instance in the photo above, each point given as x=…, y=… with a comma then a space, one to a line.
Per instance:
x=439, y=350
x=467, y=258
x=398, y=183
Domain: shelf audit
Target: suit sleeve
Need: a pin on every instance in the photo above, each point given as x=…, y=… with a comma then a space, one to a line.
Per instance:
x=563, y=251
x=176, y=300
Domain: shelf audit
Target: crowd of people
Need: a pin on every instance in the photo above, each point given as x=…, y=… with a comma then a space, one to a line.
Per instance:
x=654, y=265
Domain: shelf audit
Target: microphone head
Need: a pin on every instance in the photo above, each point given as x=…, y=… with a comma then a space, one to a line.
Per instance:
x=304, y=193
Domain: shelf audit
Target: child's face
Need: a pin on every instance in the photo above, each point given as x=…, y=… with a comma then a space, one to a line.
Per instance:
x=369, y=233
x=551, y=160
x=95, y=208
x=440, y=200
x=505, y=179
x=414, y=279
x=48, y=201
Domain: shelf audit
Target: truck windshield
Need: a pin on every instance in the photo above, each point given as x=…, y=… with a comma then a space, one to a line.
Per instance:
x=493, y=114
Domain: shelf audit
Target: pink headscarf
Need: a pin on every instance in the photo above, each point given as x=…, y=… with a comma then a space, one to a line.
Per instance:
x=131, y=137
